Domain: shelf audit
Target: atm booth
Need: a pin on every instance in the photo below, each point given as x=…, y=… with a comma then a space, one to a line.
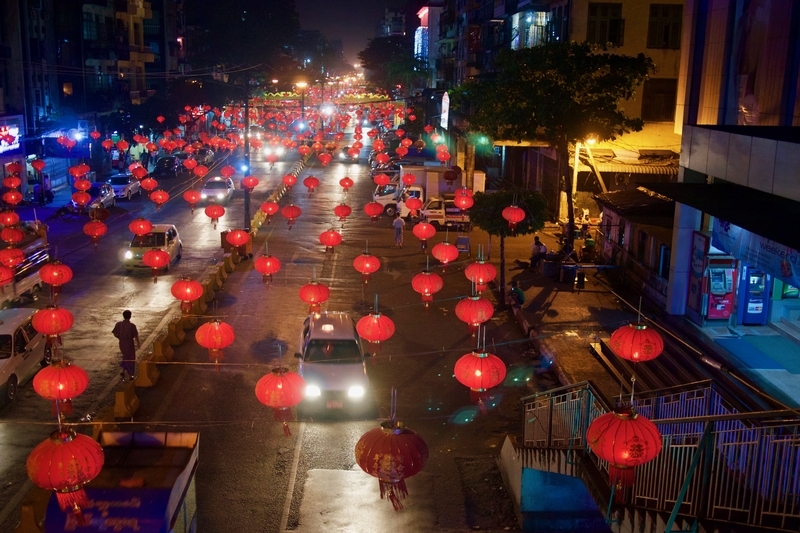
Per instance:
x=754, y=297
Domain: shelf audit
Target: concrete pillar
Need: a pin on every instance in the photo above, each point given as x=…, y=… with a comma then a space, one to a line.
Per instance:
x=687, y=220
x=469, y=166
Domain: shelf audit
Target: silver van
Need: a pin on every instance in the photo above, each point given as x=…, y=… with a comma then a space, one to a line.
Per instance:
x=23, y=350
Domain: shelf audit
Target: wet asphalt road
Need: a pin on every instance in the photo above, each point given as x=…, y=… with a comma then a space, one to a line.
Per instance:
x=246, y=463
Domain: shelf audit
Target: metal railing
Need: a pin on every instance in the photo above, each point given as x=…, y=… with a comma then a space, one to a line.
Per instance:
x=715, y=465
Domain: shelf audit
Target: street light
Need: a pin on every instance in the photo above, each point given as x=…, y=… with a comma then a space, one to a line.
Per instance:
x=302, y=86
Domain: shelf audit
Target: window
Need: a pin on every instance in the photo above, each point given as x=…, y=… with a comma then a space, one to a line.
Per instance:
x=659, y=97
x=621, y=233
x=664, y=29
x=663, y=262
x=67, y=89
x=605, y=24
x=641, y=247
x=89, y=27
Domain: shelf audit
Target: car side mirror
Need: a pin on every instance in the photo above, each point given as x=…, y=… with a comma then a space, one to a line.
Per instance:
x=298, y=355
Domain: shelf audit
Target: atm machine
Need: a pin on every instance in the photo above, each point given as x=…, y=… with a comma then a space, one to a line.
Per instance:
x=721, y=280
x=753, y=308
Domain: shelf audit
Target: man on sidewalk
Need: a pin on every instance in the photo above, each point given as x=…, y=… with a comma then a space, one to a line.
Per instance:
x=538, y=252
x=128, y=336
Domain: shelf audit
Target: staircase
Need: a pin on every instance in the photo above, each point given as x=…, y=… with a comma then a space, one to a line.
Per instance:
x=719, y=470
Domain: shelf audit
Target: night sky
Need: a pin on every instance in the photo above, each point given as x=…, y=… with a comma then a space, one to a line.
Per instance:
x=352, y=21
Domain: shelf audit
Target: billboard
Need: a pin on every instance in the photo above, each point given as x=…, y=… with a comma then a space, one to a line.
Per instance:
x=11, y=135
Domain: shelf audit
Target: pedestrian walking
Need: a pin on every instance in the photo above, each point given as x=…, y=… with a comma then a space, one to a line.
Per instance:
x=399, y=226
x=128, y=336
x=538, y=252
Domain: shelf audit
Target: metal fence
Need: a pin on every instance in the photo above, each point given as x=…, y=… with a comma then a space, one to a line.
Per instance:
x=747, y=471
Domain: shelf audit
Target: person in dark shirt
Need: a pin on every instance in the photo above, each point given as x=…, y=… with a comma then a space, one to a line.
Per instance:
x=128, y=336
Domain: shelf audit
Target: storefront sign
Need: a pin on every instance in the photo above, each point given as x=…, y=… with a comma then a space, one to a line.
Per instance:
x=10, y=135
x=697, y=270
x=758, y=252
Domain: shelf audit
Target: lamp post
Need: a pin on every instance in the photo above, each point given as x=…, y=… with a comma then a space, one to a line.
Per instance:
x=246, y=156
x=302, y=86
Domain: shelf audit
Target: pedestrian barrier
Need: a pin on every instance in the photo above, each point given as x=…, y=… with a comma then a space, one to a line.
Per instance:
x=175, y=334
x=188, y=321
x=199, y=307
x=222, y=273
x=227, y=260
x=162, y=351
x=236, y=258
x=208, y=290
x=148, y=372
x=126, y=402
x=34, y=508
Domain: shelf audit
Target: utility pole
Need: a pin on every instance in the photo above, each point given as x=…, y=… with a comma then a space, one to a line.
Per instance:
x=246, y=156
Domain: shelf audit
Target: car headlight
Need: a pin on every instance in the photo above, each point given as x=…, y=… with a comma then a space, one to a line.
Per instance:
x=281, y=151
x=220, y=195
x=355, y=392
x=203, y=196
x=128, y=255
x=342, y=155
x=313, y=391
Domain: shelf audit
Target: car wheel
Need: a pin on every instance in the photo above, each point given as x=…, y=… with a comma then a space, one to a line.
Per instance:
x=179, y=254
x=435, y=224
x=389, y=210
x=128, y=196
x=113, y=202
x=48, y=355
x=11, y=388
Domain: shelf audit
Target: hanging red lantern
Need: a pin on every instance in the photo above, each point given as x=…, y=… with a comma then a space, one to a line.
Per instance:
x=64, y=463
x=474, y=310
x=11, y=235
x=289, y=180
x=12, y=182
x=391, y=453
x=330, y=239
x=160, y=119
x=424, y=231
x=373, y=210
x=367, y=265
x=11, y=257
x=249, y=183
x=12, y=197
x=342, y=211
x=409, y=179
x=52, y=322
x=157, y=260
x=324, y=158
x=414, y=204
x=214, y=212
x=445, y=252
x=60, y=382
x=192, y=197
x=227, y=171
x=267, y=265
x=238, y=238
x=311, y=183
x=9, y=218
x=81, y=198
x=375, y=328
x=215, y=336
x=149, y=184
x=428, y=129
x=636, y=342
x=55, y=274
x=379, y=146
x=269, y=208
x=480, y=371
x=159, y=197
x=140, y=227
x=291, y=213
x=382, y=179
x=139, y=172
x=95, y=229
x=189, y=164
x=514, y=215
x=187, y=291
x=6, y=275
x=443, y=157
x=200, y=171
x=427, y=284
x=314, y=294
x=625, y=440
x=281, y=390
x=107, y=144
x=382, y=158
x=463, y=199
x=346, y=183
x=480, y=273
x=401, y=151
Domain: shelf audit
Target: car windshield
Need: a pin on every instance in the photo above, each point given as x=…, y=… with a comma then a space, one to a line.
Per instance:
x=165, y=162
x=332, y=351
x=151, y=240
x=94, y=191
x=119, y=180
x=5, y=346
x=216, y=185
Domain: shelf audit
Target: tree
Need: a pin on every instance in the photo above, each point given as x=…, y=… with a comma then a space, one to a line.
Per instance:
x=558, y=92
x=389, y=61
x=487, y=214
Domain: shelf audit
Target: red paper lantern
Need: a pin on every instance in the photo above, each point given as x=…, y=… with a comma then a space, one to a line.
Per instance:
x=52, y=322
x=80, y=198
x=122, y=145
x=9, y=218
x=215, y=336
x=38, y=164
x=474, y=310
x=95, y=229
x=160, y=119
x=401, y=150
x=187, y=291
x=391, y=453
x=12, y=182
x=200, y=171
x=428, y=129
x=189, y=163
x=463, y=199
x=311, y=182
x=139, y=172
x=214, y=212
x=12, y=197
x=445, y=252
x=480, y=273
x=192, y=197
x=330, y=239
x=382, y=158
x=373, y=210
x=11, y=236
x=342, y=211
x=108, y=144
x=55, y=274
x=424, y=231
x=443, y=157
x=636, y=342
x=64, y=463
x=281, y=390
x=625, y=440
x=409, y=179
x=60, y=382
x=159, y=197
x=314, y=294
x=514, y=215
x=382, y=179
x=367, y=265
x=237, y=237
x=157, y=260
x=267, y=265
x=289, y=180
x=269, y=208
x=375, y=328
x=227, y=171
x=6, y=275
x=140, y=227
x=291, y=212
x=11, y=257
x=480, y=371
x=249, y=183
x=346, y=183
x=427, y=284
x=414, y=204
x=324, y=158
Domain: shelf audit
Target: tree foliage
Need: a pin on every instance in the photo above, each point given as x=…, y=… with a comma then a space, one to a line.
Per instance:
x=487, y=212
x=389, y=61
x=556, y=92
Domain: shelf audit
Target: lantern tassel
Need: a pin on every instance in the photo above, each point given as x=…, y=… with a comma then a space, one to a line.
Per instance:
x=394, y=492
x=62, y=407
x=622, y=477
x=74, y=501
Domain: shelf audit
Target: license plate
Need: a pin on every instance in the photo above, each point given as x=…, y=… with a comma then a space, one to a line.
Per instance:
x=335, y=404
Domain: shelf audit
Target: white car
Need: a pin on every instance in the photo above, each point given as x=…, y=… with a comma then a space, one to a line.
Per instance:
x=278, y=151
x=124, y=185
x=217, y=190
x=162, y=237
x=22, y=350
x=331, y=362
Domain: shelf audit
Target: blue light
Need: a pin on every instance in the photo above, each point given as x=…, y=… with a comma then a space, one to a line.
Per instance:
x=244, y=168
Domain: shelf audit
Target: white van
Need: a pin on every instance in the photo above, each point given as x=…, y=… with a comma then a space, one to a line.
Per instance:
x=22, y=350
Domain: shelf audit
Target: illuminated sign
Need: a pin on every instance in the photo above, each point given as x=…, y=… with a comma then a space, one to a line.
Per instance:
x=445, y=110
x=10, y=135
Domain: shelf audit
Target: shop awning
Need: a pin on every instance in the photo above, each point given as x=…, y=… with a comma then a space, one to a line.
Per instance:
x=611, y=168
x=770, y=216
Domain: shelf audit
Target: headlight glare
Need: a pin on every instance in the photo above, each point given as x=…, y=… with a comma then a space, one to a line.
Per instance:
x=312, y=391
x=128, y=254
x=356, y=391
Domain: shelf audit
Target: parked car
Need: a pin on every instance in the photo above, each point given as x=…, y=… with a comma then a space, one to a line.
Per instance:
x=167, y=166
x=331, y=362
x=162, y=237
x=22, y=350
x=102, y=196
x=124, y=185
x=204, y=156
x=344, y=157
x=217, y=190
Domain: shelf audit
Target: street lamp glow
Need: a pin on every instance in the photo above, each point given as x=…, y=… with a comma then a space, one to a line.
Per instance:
x=274, y=81
x=244, y=168
x=301, y=85
x=79, y=136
